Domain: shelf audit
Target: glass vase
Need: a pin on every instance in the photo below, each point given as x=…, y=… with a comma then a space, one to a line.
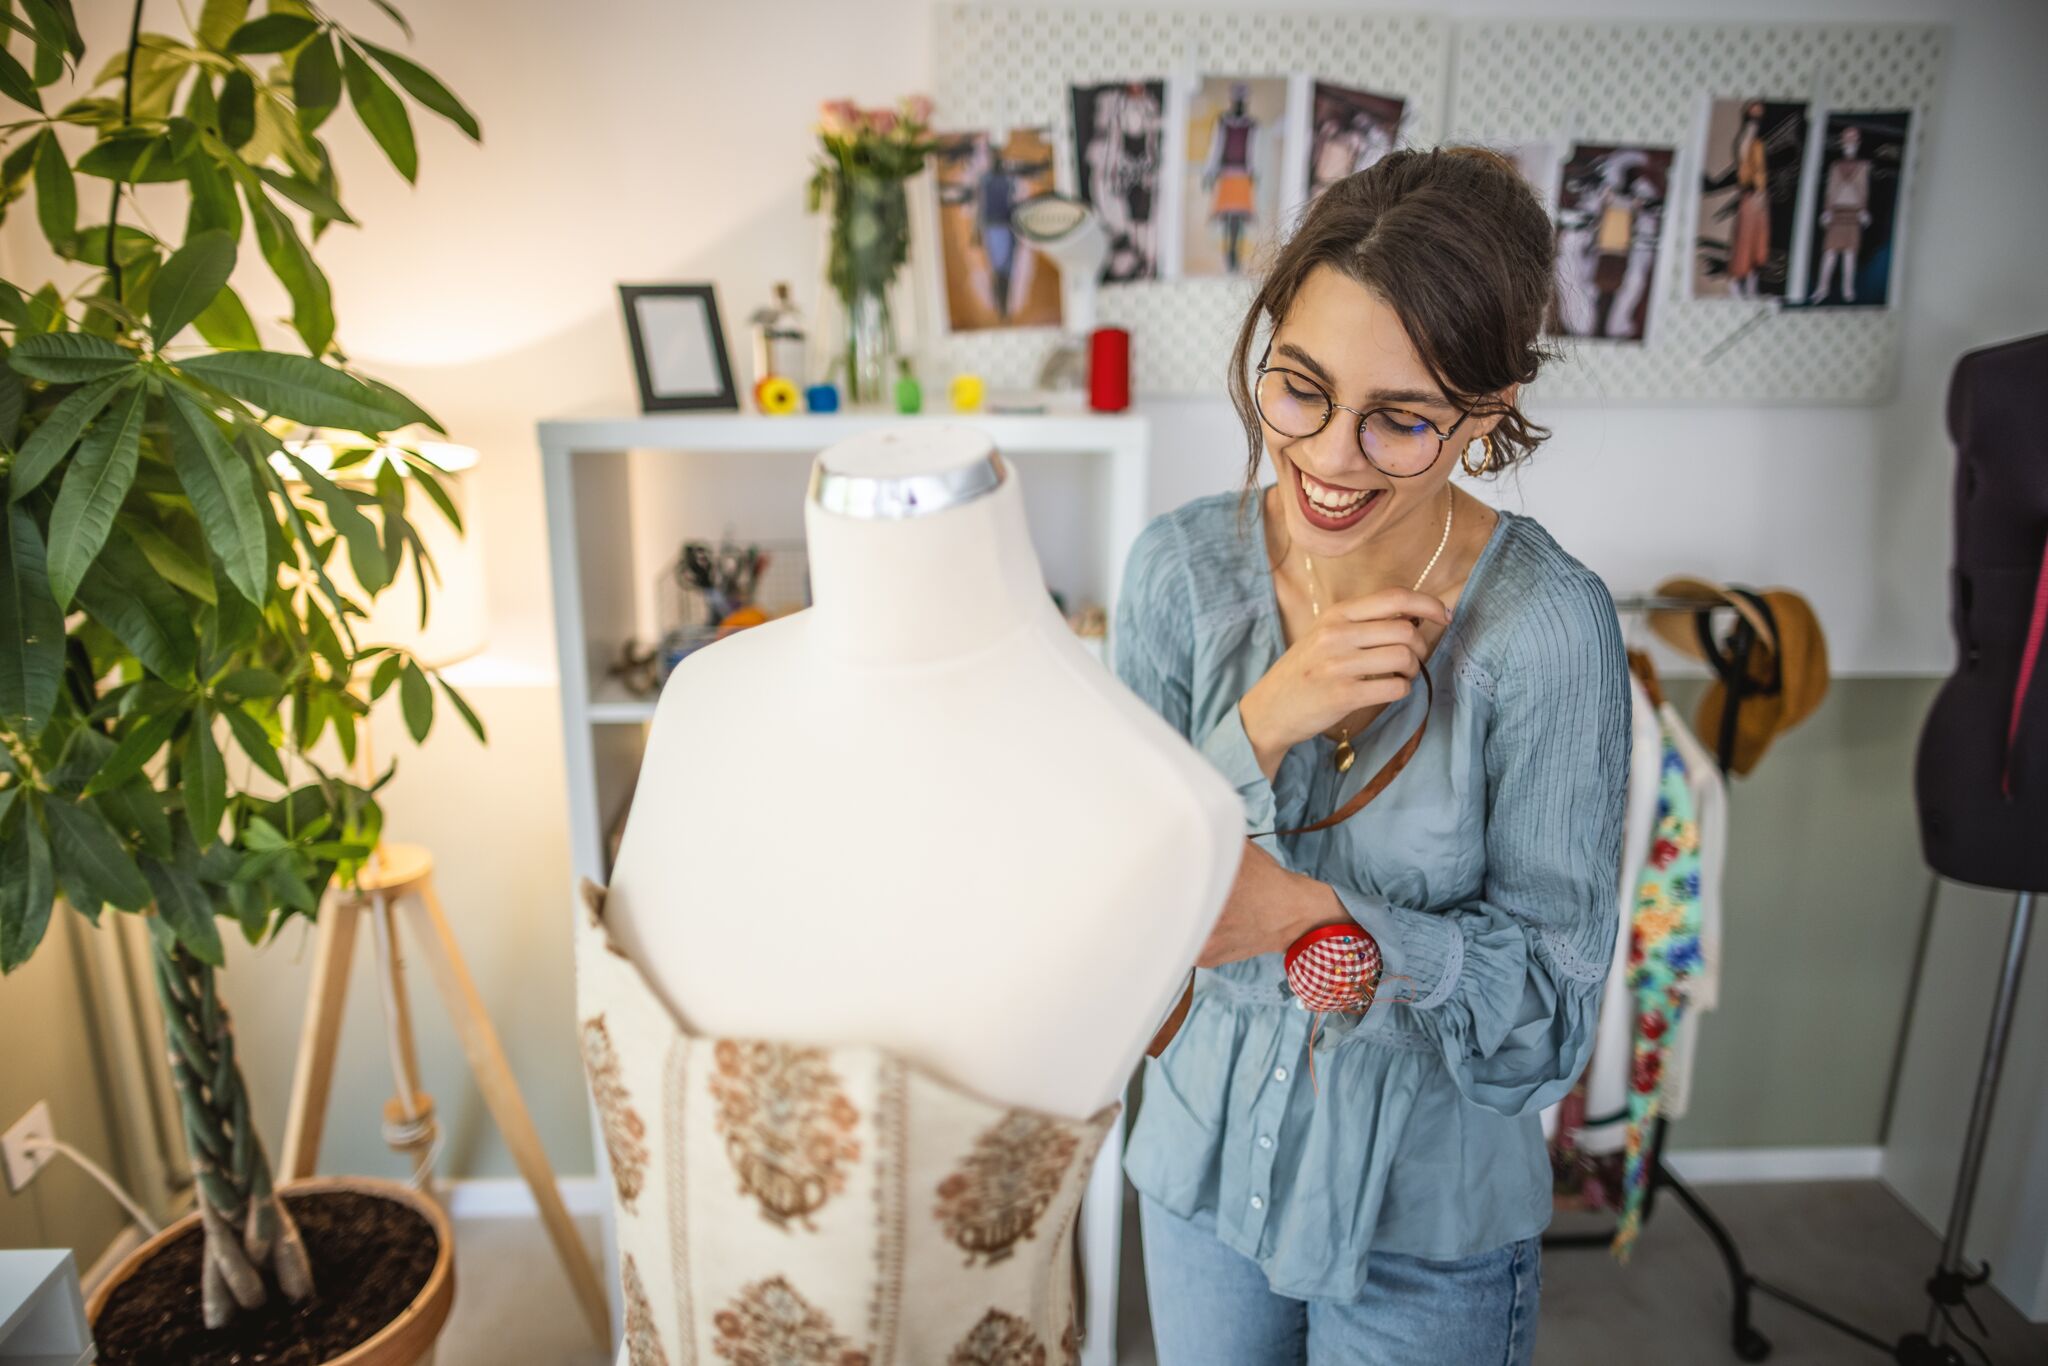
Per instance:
x=870, y=359
x=870, y=242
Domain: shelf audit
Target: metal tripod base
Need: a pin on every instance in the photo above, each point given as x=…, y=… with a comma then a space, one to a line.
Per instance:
x=1948, y=1289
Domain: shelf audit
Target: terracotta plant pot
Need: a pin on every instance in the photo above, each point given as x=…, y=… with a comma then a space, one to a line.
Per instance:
x=405, y=1340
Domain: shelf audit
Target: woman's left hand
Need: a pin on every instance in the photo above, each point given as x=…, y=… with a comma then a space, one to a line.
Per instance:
x=1269, y=908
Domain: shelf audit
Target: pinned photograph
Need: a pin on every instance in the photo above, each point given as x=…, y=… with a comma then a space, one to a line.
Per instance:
x=1119, y=137
x=1752, y=162
x=993, y=277
x=1610, y=224
x=1234, y=149
x=1856, y=218
x=1349, y=131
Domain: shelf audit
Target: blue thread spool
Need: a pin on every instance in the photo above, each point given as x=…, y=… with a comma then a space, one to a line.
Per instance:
x=822, y=398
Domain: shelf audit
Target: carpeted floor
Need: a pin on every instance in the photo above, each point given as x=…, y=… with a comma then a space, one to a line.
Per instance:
x=1849, y=1247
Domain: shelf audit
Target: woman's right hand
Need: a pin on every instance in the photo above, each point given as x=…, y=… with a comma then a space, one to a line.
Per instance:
x=1362, y=652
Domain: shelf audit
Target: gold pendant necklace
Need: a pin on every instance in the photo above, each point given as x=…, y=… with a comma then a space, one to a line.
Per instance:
x=1344, y=755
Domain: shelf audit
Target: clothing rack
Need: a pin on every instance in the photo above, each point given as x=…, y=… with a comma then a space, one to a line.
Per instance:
x=1949, y=1287
x=1749, y=1344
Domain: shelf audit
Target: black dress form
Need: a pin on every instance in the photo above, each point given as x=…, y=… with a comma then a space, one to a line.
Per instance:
x=1984, y=813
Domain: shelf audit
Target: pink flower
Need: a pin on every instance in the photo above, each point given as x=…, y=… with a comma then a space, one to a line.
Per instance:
x=918, y=109
x=881, y=121
x=838, y=117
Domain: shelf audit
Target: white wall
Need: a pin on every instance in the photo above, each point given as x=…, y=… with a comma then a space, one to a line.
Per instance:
x=634, y=140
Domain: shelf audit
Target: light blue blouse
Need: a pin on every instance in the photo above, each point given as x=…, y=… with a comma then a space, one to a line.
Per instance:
x=1488, y=872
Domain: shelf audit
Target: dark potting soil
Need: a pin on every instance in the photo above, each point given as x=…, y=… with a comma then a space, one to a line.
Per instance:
x=371, y=1258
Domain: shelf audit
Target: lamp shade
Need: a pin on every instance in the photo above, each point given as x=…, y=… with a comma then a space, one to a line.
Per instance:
x=458, y=617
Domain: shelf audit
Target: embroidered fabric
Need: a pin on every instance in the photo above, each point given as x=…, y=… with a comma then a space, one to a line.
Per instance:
x=836, y=1206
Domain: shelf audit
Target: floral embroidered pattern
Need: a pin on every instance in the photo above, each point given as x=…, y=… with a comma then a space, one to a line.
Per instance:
x=999, y=1340
x=995, y=1197
x=1070, y=1342
x=643, y=1343
x=625, y=1133
x=787, y=1124
x=769, y=1324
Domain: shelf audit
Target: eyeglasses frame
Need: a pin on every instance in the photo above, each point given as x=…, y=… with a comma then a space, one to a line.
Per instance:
x=1331, y=406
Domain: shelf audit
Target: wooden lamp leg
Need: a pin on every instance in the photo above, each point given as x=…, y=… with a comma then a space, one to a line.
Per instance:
x=409, y=1125
x=501, y=1093
x=319, y=1038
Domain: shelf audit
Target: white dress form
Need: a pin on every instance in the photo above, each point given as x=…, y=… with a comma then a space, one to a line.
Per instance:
x=919, y=815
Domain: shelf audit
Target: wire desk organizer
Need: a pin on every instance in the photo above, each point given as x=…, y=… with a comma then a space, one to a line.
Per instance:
x=1952, y=1280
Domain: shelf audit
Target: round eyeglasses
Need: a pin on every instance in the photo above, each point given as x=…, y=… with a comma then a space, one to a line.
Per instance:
x=1400, y=444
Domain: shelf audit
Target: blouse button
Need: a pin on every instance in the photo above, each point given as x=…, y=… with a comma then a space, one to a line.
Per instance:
x=1279, y=1074
x=1258, y=1202
x=1265, y=1140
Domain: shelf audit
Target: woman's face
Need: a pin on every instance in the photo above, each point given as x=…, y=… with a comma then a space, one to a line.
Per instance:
x=1344, y=335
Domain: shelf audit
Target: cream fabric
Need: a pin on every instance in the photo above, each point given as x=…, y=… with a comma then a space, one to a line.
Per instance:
x=837, y=1206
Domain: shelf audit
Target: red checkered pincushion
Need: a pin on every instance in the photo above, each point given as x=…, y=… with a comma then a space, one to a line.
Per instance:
x=1335, y=967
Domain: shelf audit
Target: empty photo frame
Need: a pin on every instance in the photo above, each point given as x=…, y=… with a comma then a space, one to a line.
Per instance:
x=678, y=348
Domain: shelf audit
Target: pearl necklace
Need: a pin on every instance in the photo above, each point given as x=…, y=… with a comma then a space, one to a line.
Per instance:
x=1344, y=755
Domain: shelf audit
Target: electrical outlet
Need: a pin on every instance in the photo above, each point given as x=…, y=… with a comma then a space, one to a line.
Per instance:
x=22, y=1158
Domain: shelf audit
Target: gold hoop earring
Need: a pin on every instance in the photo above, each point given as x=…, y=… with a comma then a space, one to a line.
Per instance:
x=1485, y=444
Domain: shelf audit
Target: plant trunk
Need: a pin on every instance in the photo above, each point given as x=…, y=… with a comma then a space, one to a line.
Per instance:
x=251, y=1241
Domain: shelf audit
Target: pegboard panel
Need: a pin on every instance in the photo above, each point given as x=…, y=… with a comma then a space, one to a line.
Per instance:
x=1002, y=66
x=1516, y=82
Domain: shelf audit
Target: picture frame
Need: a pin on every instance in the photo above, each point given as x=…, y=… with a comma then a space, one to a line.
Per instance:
x=679, y=354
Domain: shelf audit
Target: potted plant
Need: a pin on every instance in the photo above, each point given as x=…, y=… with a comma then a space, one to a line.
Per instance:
x=173, y=645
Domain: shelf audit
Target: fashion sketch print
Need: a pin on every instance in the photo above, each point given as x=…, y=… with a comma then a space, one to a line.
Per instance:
x=1611, y=204
x=993, y=277
x=1752, y=162
x=1119, y=137
x=1349, y=131
x=1232, y=178
x=1856, y=214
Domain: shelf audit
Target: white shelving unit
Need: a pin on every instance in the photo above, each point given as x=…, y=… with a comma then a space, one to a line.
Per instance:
x=606, y=477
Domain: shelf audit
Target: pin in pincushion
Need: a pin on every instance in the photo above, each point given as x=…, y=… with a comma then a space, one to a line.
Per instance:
x=1335, y=968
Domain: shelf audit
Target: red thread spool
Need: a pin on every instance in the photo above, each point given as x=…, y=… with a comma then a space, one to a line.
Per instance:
x=1109, y=369
x=1335, y=968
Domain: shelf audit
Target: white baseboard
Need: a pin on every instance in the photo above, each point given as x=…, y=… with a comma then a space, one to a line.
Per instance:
x=1731, y=1166
x=507, y=1197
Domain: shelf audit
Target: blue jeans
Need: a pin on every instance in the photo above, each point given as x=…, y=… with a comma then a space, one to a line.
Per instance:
x=1211, y=1306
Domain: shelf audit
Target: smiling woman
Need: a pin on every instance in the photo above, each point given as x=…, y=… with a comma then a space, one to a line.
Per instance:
x=1390, y=1211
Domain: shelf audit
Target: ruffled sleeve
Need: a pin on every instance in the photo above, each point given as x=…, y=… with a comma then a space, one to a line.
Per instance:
x=1154, y=653
x=1508, y=985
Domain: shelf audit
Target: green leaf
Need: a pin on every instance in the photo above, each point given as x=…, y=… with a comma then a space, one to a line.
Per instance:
x=69, y=357
x=55, y=25
x=396, y=17
x=249, y=734
x=387, y=674
x=124, y=593
x=408, y=410
x=59, y=432
x=188, y=282
x=421, y=84
x=297, y=387
x=272, y=33
x=206, y=777
x=469, y=715
x=227, y=503
x=94, y=485
x=312, y=305
x=13, y=402
x=381, y=111
x=246, y=683
x=316, y=83
x=225, y=323
x=137, y=808
x=218, y=19
x=31, y=628
x=365, y=556
x=26, y=893
x=175, y=564
x=136, y=158
x=91, y=856
x=213, y=199
x=428, y=476
x=182, y=903
x=237, y=108
x=16, y=84
x=56, y=191
x=305, y=194
x=416, y=700
x=135, y=748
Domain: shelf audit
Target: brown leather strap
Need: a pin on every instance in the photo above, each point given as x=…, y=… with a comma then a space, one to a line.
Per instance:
x=1372, y=789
